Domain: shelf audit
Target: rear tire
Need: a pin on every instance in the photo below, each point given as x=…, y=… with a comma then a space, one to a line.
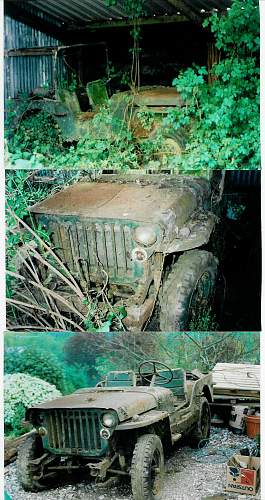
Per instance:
x=201, y=433
x=147, y=468
x=187, y=291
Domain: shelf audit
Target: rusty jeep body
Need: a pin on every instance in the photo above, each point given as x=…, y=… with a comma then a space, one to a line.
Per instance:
x=144, y=235
x=151, y=103
x=74, y=108
x=118, y=429
x=71, y=107
x=126, y=108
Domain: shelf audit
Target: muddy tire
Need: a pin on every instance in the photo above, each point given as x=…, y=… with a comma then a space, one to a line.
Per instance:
x=29, y=450
x=147, y=468
x=188, y=290
x=175, y=140
x=200, y=434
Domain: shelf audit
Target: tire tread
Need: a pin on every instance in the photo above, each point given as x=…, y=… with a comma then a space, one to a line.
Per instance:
x=144, y=448
x=177, y=287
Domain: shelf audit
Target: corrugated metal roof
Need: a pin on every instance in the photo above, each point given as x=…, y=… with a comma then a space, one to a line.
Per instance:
x=83, y=12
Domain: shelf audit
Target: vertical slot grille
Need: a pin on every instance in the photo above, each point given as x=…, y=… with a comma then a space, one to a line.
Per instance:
x=93, y=246
x=73, y=429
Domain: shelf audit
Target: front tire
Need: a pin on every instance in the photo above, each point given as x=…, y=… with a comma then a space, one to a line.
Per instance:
x=147, y=468
x=187, y=292
x=30, y=450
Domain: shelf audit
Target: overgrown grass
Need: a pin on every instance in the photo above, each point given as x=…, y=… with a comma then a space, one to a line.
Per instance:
x=37, y=277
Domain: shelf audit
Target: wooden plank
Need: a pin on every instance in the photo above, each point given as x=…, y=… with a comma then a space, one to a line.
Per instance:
x=236, y=392
x=236, y=379
x=38, y=51
x=49, y=49
x=11, y=446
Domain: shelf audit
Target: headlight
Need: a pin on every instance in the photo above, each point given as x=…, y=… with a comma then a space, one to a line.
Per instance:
x=139, y=254
x=42, y=431
x=109, y=420
x=145, y=235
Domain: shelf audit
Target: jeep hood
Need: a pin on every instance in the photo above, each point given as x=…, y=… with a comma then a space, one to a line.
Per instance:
x=148, y=204
x=126, y=402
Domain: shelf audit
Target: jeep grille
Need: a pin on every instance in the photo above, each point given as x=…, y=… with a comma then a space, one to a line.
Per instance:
x=89, y=247
x=73, y=431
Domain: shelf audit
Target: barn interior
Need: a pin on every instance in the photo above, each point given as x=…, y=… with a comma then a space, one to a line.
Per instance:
x=171, y=38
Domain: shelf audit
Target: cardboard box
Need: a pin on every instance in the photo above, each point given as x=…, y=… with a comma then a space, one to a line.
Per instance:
x=243, y=474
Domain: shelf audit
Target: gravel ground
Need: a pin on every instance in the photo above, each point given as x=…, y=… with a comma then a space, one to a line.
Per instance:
x=191, y=475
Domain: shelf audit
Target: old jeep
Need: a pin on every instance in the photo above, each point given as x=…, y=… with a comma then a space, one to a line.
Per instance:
x=73, y=107
x=151, y=103
x=119, y=428
x=144, y=235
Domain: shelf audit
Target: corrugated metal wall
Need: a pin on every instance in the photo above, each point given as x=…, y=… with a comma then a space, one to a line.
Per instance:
x=238, y=180
x=243, y=178
x=24, y=73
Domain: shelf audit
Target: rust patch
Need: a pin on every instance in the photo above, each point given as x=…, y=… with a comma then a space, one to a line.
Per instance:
x=138, y=315
x=148, y=203
x=158, y=96
x=86, y=115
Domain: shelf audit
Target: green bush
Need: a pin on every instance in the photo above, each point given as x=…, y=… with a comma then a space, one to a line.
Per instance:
x=76, y=376
x=222, y=116
x=37, y=134
x=36, y=363
x=21, y=391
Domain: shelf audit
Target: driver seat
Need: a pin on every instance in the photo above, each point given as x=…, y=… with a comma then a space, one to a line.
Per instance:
x=178, y=383
x=121, y=379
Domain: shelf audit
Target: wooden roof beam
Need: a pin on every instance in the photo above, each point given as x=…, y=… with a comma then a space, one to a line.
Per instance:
x=121, y=23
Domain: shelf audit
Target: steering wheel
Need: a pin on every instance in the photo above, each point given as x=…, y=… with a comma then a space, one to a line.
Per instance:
x=153, y=371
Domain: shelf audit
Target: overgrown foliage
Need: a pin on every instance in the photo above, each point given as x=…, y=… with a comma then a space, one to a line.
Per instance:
x=22, y=391
x=37, y=278
x=220, y=119
x=36, y=363
x=33, y=138
x=20, y=194
x=111, y=143
x=134, y=9
x=222, y=116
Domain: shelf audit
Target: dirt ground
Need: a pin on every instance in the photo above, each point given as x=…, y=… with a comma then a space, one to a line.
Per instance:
x=190, y=475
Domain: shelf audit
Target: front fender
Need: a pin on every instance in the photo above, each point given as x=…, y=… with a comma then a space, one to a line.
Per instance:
x=194, y=235
x=143, y=420
x=61, y=114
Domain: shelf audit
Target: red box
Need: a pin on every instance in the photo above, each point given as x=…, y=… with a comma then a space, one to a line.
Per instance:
x=243, y=474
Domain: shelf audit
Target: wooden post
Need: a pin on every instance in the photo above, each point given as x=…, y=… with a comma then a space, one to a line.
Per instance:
x=214, y=57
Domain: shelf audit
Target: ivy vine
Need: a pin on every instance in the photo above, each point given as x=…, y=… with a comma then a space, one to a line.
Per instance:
x=222, y=117
x=134, y=10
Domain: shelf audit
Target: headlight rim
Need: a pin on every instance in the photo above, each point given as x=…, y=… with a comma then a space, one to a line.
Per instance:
x=140, y=241
x=113, y=416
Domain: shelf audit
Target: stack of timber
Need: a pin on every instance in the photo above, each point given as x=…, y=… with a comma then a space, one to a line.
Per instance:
x=236, y=381
x=11, y=447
